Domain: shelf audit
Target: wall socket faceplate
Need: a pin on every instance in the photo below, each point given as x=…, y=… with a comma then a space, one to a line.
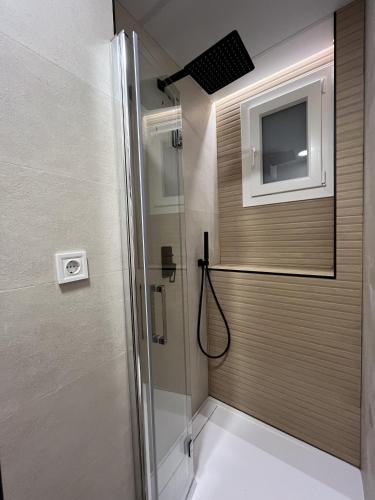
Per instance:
x=71, y=266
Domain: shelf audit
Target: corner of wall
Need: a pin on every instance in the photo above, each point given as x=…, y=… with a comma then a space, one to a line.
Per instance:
x=368, y=325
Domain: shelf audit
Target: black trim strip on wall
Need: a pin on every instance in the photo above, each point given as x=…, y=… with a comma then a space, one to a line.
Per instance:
x=273, y=273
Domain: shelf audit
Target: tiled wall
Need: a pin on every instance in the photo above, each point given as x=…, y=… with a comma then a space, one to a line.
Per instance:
x=295, y=357
x=289, y=236
x=200, y=189
x=368, y=399
x=64, y=418
x=199, y=164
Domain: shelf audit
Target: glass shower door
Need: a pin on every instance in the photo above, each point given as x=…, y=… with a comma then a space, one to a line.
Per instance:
x=154, y=227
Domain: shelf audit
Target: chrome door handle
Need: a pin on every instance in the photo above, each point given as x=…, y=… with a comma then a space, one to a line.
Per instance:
x=157, y=338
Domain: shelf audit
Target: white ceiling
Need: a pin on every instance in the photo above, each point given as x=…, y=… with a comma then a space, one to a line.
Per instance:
x=185, y=28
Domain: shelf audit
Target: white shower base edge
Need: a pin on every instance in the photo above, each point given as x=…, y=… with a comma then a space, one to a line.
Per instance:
x=239, y=457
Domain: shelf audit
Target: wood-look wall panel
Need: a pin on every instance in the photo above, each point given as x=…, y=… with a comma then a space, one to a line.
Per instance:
x=319, y=393
x=284, y=417
x=295, y=358
x=303, y=392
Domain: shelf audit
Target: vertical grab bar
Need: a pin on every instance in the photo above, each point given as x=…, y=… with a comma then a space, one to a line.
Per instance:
x=159, y=339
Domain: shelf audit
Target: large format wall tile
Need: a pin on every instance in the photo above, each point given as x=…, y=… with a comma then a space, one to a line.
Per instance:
x=65, y=423
x=54, y=448
x=51, y=336
x=44, y=213
x=199, y=151
x=196, y=223
x=200, y=184
x=114, y=465
x=51, y=120
x=73, y=35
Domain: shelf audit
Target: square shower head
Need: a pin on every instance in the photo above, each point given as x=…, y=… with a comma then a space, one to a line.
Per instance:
x=221, y=64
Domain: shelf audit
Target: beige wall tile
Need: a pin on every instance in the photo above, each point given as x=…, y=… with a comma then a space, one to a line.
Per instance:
x=45, y=213
x=115, y=465
x=196, y=223
x=65, y=424
x=54, y=447
x=52, y=335
x=200, y=188
x=199, y=152
x=73, y=35
x=51, y=120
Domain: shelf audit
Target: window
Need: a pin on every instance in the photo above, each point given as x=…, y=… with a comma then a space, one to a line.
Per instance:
x=287, y=141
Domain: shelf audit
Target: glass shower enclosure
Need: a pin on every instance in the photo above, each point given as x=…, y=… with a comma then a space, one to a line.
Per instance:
x=149, y=142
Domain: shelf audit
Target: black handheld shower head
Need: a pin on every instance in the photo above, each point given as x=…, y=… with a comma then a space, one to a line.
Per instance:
x=217, y=67
x=204, y=265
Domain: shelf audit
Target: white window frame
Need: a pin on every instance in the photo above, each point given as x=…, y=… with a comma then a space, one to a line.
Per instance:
x=317, y=90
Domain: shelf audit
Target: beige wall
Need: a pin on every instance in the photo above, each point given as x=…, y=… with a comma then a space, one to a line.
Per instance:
x=199, y=175
x=295, y=236
x=295, y=358
x=199, y=164
x=64, y=418
x=368, y=400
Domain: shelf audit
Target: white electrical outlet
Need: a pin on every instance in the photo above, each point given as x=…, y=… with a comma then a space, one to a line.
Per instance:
x=71, y=266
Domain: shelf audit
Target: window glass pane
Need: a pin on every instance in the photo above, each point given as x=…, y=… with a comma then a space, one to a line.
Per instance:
x=284, y=144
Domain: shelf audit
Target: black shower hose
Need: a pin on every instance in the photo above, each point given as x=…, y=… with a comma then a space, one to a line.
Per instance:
x=205, y=271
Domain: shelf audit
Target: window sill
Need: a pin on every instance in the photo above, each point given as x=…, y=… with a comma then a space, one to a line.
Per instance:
x=316, y=273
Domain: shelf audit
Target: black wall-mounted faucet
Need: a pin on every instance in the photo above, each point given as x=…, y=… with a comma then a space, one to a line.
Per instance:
x=205, y=261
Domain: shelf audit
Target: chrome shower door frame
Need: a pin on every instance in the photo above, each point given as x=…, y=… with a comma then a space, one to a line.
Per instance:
x=138, y=291
x=141, y=414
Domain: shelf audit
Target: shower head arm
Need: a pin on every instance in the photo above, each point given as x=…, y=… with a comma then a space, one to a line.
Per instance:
x=223, y=63
x=162, y=84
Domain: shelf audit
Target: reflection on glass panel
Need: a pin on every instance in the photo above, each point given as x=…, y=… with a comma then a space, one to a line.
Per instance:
x=284, y=144
x=166, y=259
x=170, y=168
x=163, y=143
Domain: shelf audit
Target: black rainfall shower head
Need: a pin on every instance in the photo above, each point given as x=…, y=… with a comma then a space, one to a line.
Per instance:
x=223, y=63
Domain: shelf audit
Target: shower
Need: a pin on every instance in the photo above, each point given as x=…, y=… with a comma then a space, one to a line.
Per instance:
x=223, y=63
x=153, y=206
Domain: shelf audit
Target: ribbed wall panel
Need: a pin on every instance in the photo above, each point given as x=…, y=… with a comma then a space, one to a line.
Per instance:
x=295, y=359
x=288, y=228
